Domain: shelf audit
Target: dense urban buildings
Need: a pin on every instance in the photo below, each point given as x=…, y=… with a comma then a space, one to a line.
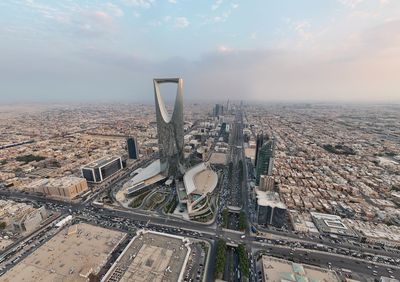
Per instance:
x=20, y=217
x=338, y=200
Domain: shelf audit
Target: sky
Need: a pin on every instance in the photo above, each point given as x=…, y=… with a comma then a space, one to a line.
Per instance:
x=255, y=50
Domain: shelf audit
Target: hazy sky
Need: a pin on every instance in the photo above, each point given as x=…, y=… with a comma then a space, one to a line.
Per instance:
x=267, y=50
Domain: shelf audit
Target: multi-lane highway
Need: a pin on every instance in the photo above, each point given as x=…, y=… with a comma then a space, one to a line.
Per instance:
x=209, y=232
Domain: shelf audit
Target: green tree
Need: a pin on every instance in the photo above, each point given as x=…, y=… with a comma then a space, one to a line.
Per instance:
x=242, y=221
x=29, y=158
x=230, y=170
x=240, y=171
x=220, y=259
x=243, y=260
x=225, y=218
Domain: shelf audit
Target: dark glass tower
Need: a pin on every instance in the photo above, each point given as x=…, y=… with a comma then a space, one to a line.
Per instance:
x=218, y=110
x=259, y=143
x=133, y=153
x=265, y=160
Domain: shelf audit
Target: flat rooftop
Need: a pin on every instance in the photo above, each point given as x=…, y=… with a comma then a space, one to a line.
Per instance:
x=269, y=199
x=101, y=162
x=151, y=256
x=205, y=181
x=147, y=174
x=329, y=223
x=71, y=255
x=218, y=158
x=65, y=181
x=200, y=180
x=277, y=270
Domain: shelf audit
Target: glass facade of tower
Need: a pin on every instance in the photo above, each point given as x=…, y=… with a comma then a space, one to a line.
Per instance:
x=264, y=160
x=132, y=148
x=101, y=169
x=170, y=130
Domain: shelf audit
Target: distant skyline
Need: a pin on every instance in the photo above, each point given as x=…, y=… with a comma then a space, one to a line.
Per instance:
x=260, y=50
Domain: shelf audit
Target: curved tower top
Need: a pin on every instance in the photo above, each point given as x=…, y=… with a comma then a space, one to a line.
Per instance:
x=170, y=129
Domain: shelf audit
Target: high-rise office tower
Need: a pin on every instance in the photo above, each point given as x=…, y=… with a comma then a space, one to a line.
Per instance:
x=170, y=129
x=265, y=160
x=259, y=143
x=218, y=110
x=133, y=150
x=101, y=169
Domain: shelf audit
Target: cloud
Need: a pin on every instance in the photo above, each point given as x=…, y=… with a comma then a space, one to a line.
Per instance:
x=97, y=23
x=334, y=61
x=365, y=70
x=350, y=3
x=74, y=19
x=216, y=4
x=299, y=34
x=172, y=1
x=46, y=11
x=102, y=17
x=181, y=22
x=140, y=3
x=224, y=49
x=222, y=17
x=176, y=22
x=114, y=10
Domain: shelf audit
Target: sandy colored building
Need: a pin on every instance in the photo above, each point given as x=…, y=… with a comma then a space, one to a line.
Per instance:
x=21, y=217
x=75, y=254
x=66, y=188
x=151, y=256
x=277, y=270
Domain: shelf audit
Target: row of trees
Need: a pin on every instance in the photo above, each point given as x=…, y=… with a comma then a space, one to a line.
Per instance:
x=171, y=206
x=220, y=259
x=242, y=221
x=240, y=171
x=230, y=170
x=243, y=260
x=225, y=218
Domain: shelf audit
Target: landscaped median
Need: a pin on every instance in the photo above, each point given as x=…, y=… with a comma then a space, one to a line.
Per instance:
x=243, y=260
x=220, y=259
